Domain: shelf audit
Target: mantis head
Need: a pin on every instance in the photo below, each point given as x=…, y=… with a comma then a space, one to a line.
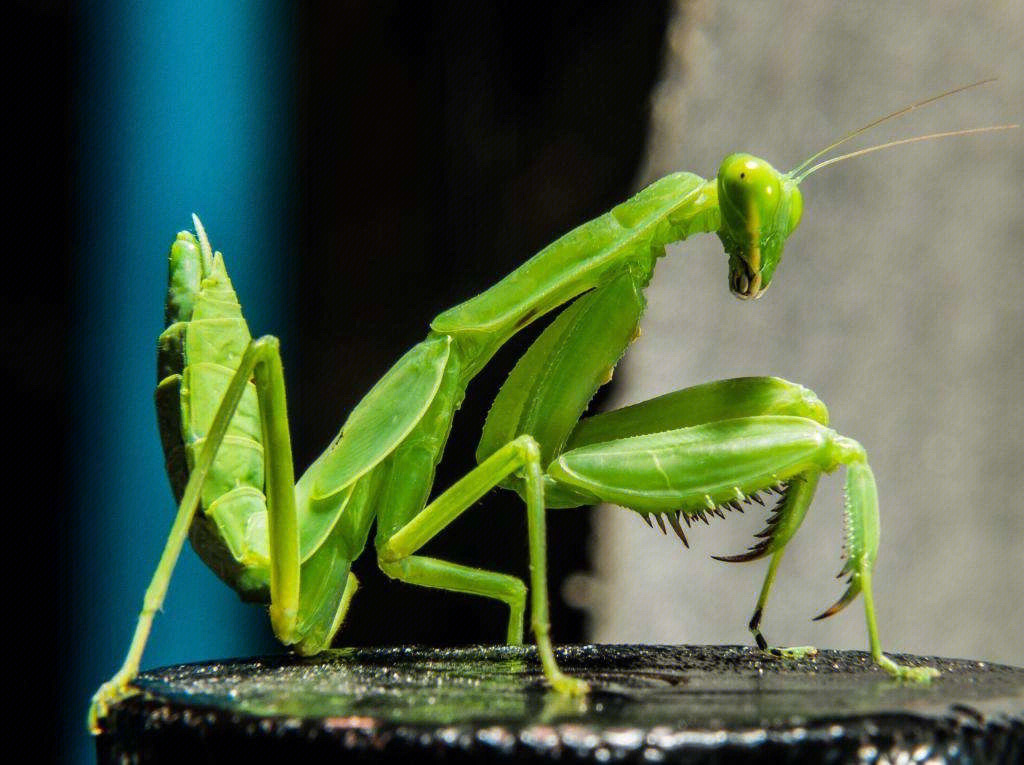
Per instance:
x=760, y=207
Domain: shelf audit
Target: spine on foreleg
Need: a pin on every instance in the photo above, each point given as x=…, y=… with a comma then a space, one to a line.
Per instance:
x=197, y=354
x=860, y=548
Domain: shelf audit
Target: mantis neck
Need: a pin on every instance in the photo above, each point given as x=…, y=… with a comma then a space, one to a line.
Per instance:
x=628, y=239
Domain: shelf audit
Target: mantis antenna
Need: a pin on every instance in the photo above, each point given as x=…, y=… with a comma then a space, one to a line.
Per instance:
x=880, y=120
x=915, y=139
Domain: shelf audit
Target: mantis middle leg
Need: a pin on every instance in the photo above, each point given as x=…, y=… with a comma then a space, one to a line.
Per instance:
x=397, y=559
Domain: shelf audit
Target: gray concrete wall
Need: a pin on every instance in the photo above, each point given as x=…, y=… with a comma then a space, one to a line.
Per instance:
x=899, y=301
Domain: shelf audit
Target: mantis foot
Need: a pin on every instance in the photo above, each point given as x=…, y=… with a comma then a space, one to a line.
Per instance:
x=790, y=652
x=569, y=686
x=903, y=672
x=114, y=690
x=778, y=652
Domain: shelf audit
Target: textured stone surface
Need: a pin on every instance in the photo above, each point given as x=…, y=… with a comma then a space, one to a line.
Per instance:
x=650, y=704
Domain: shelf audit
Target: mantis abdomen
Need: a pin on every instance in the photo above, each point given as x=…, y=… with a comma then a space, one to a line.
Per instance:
x=197, y=354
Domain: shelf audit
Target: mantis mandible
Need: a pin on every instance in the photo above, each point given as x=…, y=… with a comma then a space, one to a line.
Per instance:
x=672, y=459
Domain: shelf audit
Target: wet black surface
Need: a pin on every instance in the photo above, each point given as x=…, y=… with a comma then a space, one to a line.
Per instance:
x=650, y=704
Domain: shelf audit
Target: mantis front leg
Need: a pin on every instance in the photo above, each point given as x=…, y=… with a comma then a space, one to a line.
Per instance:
x=713, y=402
x=396, y=555
x=551, y=385
x=698, y=468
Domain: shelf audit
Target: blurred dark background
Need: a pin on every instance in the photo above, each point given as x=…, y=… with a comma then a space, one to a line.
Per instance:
x=440, y=146
x=363, y=166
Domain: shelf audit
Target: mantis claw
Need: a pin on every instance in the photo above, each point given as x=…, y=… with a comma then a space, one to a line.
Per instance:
x=922, y=675
x=111, y=692
x=790, y=652
x=569, y=686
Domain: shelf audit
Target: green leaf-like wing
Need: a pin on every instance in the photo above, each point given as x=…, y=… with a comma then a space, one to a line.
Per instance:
x=384, y=417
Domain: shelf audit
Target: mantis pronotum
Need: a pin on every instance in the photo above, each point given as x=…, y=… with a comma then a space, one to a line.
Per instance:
x=673, y=459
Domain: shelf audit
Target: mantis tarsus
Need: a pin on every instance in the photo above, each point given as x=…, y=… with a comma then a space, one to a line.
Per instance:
x=672, y=459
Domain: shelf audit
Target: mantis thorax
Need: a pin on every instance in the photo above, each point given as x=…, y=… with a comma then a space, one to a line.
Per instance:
x=760, y=208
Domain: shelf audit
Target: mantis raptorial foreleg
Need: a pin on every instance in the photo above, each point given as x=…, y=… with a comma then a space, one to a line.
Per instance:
x=712, y=402
x=744, y=434
x=396, y=556
x=701, y=468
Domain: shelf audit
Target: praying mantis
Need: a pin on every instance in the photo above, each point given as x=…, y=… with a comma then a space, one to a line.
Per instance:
x=672, y=459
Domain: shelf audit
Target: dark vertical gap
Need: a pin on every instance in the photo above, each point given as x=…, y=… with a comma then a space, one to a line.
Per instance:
x=441, y=145
x=34, y=363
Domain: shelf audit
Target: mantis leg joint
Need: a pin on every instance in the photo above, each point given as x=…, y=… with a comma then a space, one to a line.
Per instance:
x=528, y=448
x=846, y=451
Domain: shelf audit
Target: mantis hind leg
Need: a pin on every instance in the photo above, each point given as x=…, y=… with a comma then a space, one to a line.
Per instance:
x=262, y=360
x=396, y=554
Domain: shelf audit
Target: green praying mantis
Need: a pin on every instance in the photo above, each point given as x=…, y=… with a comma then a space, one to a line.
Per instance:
x=672, y=459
